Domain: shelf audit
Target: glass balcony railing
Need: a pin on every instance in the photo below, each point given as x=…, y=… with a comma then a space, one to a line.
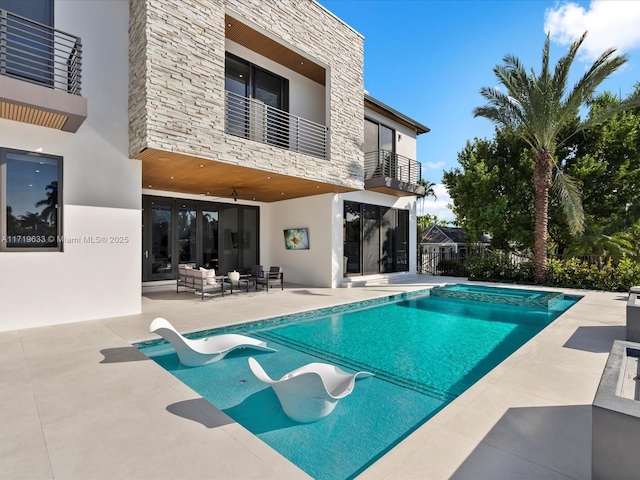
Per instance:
x=384, y=163
x=36, y=53
x=254, y=120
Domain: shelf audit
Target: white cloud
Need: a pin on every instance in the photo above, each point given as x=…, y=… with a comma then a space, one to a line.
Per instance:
x=434, y=165
x=610, y=23
x=439, y=206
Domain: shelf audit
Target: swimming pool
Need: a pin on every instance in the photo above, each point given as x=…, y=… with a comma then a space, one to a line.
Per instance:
x=424, y=349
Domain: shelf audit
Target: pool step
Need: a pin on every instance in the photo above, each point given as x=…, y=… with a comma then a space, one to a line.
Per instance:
x=524, y=298
x=373, y=280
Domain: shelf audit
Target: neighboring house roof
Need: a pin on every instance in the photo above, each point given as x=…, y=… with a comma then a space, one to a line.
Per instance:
x=439, y=234
x=387, y=111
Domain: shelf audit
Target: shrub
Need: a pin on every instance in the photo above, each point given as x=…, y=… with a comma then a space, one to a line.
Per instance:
x=499, y=268
x=452, y=268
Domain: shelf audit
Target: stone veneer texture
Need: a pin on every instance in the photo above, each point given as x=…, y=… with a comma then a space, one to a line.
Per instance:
x=177, y=83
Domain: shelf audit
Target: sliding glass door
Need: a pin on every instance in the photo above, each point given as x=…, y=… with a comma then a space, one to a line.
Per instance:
x=200, y=234
x=376, y=239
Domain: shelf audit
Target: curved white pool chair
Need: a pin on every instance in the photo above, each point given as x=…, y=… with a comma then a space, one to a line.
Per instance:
x=194, y=353
x=310, y=392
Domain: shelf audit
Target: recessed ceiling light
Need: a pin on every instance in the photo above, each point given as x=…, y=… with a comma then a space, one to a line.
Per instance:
x=229, y=24
x=37, y=171
x=254, y=198
x=172, y=178
x=149, y=186
x=201, y=165
x=301, y=63
x=268, y=178
x=31, y=185
x=207, y=193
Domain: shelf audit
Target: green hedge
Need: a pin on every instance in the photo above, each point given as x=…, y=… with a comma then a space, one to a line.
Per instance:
x=452, y=268
x=576, y=273
x=567, y=273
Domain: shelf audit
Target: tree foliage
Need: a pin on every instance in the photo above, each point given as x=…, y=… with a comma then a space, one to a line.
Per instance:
x=537, y=107
x=492, y=189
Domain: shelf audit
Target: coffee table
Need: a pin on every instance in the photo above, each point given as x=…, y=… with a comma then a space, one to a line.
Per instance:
x=243, y=281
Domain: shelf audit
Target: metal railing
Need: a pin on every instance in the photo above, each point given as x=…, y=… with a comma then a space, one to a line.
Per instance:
x=37, y=53
x=254, y=120
x=384, y=163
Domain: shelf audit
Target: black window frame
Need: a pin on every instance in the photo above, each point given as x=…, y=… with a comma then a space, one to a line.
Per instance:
x=394, y=134
x=59, y=243
x=250, y=85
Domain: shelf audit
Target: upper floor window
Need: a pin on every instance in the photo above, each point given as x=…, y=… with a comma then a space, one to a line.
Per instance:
x=248, y=80
x=28, y=44
x=30, y=199
x=40, y=11
x=378, y=137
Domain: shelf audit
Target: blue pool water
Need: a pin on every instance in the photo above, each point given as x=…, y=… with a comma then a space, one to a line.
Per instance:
x=424, y=351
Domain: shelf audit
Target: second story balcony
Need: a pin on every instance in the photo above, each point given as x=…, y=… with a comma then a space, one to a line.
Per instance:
x=388, y=172
x=255, y=120
x=40, y=74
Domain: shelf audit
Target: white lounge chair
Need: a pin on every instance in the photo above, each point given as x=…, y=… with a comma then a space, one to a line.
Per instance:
x=311, y=392
x=194, y=353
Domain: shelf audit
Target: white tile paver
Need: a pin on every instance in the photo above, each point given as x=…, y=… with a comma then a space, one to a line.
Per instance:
x=80, y=402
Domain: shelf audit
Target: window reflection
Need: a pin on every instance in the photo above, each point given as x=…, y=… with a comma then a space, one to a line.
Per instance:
x=31, y=199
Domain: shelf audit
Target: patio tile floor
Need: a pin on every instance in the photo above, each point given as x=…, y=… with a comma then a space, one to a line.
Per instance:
x=78, y=402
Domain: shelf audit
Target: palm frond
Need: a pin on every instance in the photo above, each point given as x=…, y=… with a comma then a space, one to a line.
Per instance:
x=567, y=190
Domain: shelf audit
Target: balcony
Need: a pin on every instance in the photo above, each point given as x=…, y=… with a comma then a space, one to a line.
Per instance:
x=390, y=173
x=254, y=120
x=40, y=74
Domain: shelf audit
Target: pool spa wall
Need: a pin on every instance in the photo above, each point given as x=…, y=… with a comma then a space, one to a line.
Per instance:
x=616, y=416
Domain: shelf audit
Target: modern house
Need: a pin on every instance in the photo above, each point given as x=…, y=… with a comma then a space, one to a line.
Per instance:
x=137, y=136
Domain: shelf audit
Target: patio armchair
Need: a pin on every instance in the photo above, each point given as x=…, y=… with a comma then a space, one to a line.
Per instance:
x=275, y=276
x=202, y=351
x=257, y=271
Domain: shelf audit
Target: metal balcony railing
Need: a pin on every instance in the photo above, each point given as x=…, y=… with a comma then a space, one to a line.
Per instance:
x=383, y=163
x=36, y=53
x=252, y=119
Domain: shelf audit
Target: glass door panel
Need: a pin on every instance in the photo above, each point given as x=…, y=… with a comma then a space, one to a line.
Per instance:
x=229, y=232
x=157, y=240
x=387, y=239
x=268, y=91
x=236, y=81
x=402, y=249
x=386, y=144
x=210, y=237
x=187, y=247
x=351, y=238
x=249, y=241
x=371, y=239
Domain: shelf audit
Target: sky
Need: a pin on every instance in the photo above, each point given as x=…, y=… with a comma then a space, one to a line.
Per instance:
x=429, y=58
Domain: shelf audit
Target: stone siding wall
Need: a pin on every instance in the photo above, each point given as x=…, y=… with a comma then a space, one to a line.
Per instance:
x=181, y=107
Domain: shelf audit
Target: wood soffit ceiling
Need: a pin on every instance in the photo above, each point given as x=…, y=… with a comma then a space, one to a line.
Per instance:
x=267, y=47
x=175, y=172
x=31, y=115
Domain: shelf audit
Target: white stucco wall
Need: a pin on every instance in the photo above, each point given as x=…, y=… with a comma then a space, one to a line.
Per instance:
x=321, y=265
x=101, y=190
x=311, y=267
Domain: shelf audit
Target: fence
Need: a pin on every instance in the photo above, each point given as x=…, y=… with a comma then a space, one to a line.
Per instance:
x=455, y=264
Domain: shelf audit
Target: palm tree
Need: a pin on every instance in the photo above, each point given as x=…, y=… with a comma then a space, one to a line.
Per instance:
x=429, y=191
x=538, y=108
